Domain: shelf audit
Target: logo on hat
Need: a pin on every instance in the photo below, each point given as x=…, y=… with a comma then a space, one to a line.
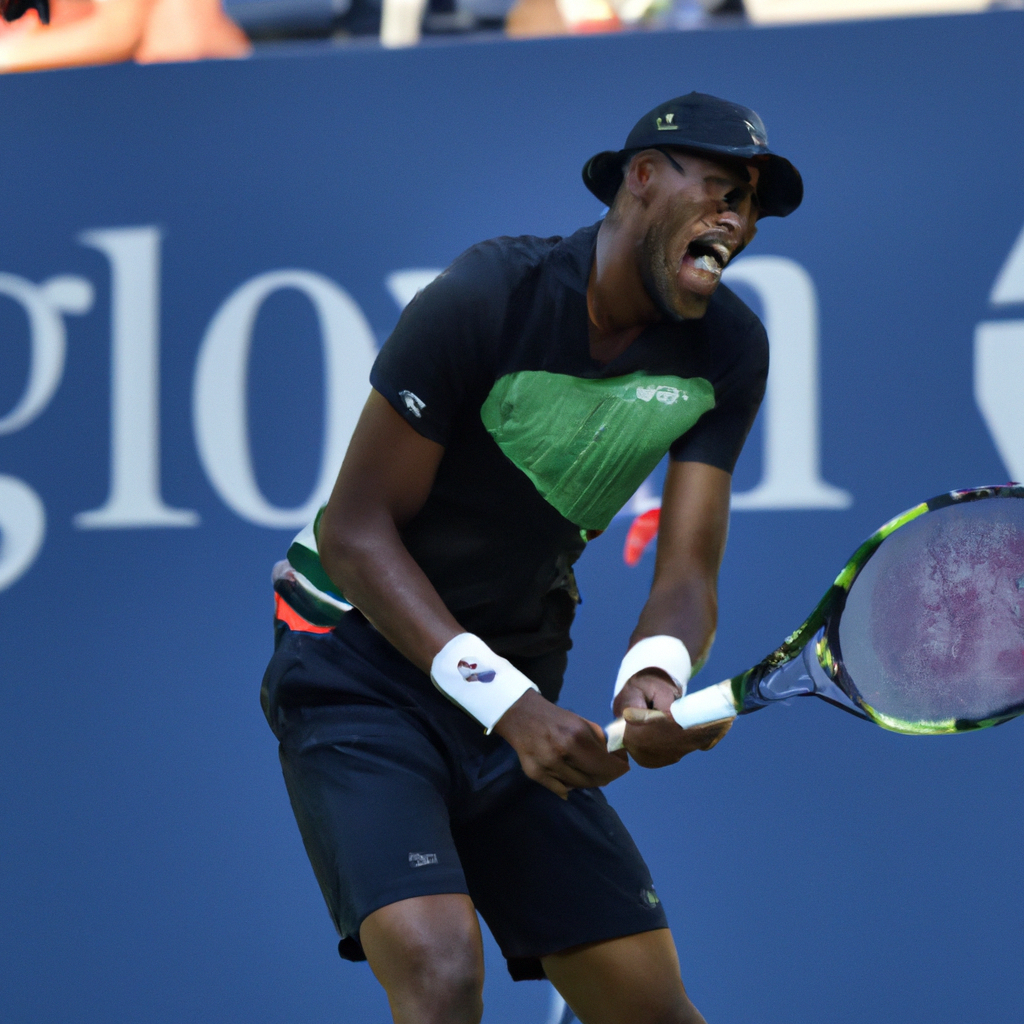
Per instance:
x=668, y=126
x=758, y=137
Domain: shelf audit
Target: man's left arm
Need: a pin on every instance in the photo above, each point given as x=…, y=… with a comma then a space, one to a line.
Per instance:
x=683, y=603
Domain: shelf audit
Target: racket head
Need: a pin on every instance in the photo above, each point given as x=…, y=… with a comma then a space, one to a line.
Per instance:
x=953, y=703
x=925, y=629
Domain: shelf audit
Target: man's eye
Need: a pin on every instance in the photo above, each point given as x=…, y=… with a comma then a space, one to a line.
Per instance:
x=736, y=196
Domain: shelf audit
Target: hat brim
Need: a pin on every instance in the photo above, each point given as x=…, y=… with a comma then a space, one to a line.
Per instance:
x=780, y=189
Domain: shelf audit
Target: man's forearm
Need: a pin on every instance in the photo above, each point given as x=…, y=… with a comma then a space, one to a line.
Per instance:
x=687, y=610
x=376, y=573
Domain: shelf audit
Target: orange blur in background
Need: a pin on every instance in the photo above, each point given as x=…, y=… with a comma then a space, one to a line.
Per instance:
x=107, y=31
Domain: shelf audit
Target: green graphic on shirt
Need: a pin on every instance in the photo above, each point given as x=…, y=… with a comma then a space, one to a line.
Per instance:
x=587, y=445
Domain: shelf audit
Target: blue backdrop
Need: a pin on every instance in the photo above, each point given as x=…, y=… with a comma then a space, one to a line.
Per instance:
x=183, y=250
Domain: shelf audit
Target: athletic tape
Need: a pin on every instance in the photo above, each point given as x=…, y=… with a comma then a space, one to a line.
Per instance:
x=480, y=682
x=667, y=653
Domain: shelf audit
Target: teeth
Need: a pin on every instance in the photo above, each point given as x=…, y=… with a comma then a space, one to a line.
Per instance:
x=708, y=264
x=723, y=254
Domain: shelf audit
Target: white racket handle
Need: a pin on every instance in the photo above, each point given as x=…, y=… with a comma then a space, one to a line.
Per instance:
x=711, y=704
x=615, y=732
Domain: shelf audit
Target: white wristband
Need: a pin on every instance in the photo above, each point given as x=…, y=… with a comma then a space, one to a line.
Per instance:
x=667, y=653
x=480, y=682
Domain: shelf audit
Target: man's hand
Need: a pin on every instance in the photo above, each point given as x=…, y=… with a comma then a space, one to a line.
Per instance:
x=652, y=735
x=557, y=748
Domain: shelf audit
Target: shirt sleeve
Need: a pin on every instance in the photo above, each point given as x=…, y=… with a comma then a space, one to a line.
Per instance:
x=716, y=439
x=442, y=352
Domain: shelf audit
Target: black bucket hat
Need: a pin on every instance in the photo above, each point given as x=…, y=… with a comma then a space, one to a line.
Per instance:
x=706, y=125
x=14, y=9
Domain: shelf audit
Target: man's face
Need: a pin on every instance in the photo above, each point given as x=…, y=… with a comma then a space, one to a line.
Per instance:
x=700, y=214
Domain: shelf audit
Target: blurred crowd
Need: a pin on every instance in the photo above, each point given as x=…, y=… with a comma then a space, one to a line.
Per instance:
x=40, y=34
x=66, y=33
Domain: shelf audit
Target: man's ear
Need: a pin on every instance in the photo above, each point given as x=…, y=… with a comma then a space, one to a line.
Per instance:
x=640, y=172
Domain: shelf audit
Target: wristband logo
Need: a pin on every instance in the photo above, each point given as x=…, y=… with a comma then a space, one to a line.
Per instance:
x=473, y=672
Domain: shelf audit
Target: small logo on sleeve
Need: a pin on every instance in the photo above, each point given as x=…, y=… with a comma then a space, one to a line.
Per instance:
x=649, y=898
x=414, y=404
x=421, y=860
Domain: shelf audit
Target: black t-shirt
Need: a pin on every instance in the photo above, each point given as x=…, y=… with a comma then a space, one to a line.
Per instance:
x=542, y=442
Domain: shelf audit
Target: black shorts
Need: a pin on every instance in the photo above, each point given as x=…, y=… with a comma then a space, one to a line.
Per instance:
x=398, y=793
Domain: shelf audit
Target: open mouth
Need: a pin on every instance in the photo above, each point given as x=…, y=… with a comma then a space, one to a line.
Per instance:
x=709, y=256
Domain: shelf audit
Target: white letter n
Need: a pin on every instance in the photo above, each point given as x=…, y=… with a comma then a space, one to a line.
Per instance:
x=791, y=477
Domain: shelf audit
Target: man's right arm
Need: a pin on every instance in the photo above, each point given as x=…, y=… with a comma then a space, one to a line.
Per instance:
x=384, y=481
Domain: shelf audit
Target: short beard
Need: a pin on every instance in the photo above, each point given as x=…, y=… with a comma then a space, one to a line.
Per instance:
x=659, y=279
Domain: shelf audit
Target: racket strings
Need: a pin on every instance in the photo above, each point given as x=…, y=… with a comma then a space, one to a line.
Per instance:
x=933, y=628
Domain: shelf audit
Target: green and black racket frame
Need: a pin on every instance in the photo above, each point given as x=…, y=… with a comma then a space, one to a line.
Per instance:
x=921, y=633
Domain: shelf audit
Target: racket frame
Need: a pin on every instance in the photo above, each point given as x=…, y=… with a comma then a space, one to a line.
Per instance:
x=820, y=634
x=817, y=639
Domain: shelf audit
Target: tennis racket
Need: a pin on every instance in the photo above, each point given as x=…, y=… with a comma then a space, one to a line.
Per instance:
x=922, y=632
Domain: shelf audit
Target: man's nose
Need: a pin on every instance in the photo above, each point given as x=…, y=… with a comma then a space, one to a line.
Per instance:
x=726, y=216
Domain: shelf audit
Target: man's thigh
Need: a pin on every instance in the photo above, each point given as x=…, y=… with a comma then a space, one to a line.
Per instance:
x=630, y=980
x=368, y=792
x=550, y=874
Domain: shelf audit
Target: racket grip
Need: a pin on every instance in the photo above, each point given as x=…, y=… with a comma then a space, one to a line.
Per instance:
x=615, y=733
x=711, y=704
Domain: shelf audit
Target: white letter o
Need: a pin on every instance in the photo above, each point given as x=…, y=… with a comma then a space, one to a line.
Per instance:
x=219, y=412
x=22, y=527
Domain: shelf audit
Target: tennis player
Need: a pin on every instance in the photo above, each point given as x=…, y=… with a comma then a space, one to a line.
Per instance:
x=522, y=398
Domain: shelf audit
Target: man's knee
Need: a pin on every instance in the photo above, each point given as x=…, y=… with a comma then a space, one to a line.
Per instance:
x=632, y=979
x=447, y=961
x=428, y=955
